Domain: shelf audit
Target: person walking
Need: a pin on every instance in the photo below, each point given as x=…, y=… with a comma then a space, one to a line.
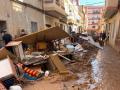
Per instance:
x=23, y=33
x=6, y=37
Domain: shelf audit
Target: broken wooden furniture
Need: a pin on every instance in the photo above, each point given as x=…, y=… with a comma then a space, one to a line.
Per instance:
x=17, y=48
x=57, y=64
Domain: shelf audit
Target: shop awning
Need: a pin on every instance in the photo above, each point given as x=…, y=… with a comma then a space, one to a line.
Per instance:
x=50, y=34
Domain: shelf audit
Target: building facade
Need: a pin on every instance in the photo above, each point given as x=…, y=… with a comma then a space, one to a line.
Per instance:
x=55, y=14
x=112, y=21
x=18, y=14
x=94, y=15
x=83, y=21
x=30, y=15
x=73, y=17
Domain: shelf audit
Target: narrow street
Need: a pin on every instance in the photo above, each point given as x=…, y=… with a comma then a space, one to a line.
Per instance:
x=60, y=45
x=106, y=69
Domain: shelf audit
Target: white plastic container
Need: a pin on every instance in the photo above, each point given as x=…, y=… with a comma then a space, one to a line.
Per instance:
x=16, y=87
x=70, y=48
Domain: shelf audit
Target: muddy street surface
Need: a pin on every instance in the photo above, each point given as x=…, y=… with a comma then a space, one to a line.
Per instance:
x=93, y=70
x=106, y=69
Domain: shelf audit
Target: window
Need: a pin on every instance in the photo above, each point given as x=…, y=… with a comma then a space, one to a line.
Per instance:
x=93, y=27
x=96, y=12
x=34, y=27
x=93, y=22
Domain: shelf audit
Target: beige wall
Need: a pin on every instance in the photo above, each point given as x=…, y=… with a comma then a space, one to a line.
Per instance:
x=36, y=3
x=23, y=18
x=114, y=27
x=19, y=17
x=51, y=20
x=111, y=3
x=6, y=13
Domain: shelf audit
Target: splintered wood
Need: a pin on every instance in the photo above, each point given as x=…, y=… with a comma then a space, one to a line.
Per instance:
x=55, y=60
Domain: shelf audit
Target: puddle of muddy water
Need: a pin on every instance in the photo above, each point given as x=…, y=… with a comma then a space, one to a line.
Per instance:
x=90, y=80
x=96, y=70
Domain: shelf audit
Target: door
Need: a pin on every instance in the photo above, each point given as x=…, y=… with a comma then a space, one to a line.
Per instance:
x=3, y=27
x=117, y=40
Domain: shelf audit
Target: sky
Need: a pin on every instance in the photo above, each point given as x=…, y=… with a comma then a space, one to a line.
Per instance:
x=92, y=2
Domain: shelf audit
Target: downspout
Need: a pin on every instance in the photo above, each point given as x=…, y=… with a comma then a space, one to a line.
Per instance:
x=44, y=19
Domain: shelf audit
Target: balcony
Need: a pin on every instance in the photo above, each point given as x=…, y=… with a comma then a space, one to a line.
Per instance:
x=54, y=8
x=111, y=8
x=71, y=20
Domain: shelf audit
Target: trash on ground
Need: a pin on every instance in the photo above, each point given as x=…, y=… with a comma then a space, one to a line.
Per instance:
x=47, y=59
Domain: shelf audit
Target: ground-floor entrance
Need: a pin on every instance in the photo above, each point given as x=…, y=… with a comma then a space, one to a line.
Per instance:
x=3, y=27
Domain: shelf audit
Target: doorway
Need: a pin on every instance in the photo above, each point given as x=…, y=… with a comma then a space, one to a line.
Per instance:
x=117, y=40
x=3, y=27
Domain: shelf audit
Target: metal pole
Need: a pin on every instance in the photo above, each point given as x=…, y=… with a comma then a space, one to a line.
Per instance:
x=44, y=20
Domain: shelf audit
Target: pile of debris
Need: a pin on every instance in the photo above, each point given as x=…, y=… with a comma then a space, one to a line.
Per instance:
x=18, y=66
x=46, y=58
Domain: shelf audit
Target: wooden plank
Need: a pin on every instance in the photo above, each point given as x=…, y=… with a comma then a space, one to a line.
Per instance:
x=58, y=64
x=2, y=87
x=13, y=43
x=44, y=35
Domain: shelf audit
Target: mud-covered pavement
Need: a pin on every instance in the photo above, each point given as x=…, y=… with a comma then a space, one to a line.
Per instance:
x=80, y=76
x=95, y=70
x=106, y=69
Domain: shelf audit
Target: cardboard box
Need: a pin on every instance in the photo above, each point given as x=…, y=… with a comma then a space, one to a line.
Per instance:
x=4, y=53
x=7, y=69
x=17, y=46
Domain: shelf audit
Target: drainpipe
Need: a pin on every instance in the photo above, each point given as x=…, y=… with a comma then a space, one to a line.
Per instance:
x=44, y=20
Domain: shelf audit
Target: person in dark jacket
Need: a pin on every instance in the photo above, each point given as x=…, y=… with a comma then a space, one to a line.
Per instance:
x=103, y=36
x=23, y=33
x=7, y=37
